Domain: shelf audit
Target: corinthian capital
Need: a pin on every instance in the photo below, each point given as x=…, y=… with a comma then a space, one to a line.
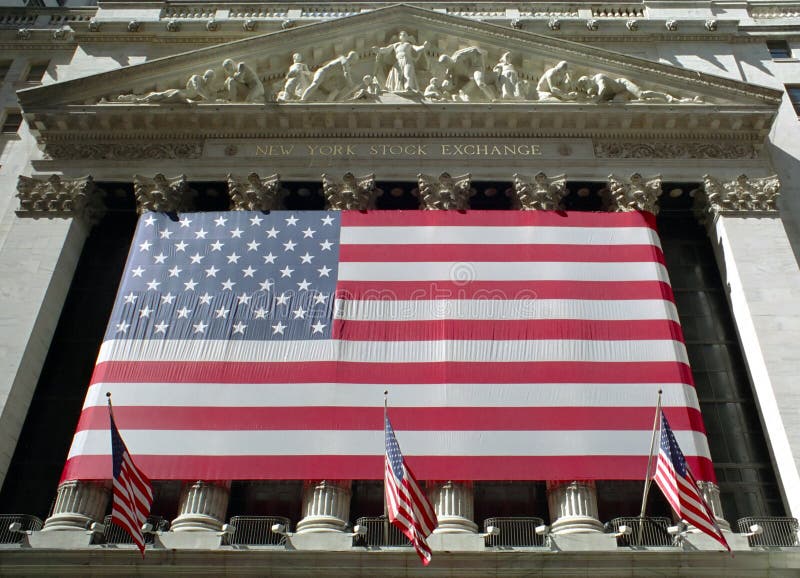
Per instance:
x=635, y=194
x=159, y=194
x=739, y=195
x=445, y=192
x=252, y=193
x=541, y=193
x=351, y=193
x=54, y=196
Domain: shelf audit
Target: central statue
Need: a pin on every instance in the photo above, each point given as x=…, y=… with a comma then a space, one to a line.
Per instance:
x=401, y=59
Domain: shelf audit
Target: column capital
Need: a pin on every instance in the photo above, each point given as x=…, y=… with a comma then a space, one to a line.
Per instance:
x=445, y=192
x=253, y=193
x=55, y=196
x=539, y=193
x=349, y=193
x=636, y=193
x=742, y=195
x=159, y=194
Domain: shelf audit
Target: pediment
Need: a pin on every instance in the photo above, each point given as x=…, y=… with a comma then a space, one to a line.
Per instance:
x=477, y=69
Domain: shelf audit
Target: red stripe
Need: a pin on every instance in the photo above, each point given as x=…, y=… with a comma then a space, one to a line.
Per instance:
x=404, y=418
x=502, y=253
x=416, y=218
x=433, y=372
x=372, y=467
x=592, y=290
x=506, y=329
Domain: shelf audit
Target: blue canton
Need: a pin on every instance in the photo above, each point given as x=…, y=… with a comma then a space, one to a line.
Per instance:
x=669, y=445
x=393, y=451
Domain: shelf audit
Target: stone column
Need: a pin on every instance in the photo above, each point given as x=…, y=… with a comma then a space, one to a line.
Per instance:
x=454, y=504
x=202, y=507
x=326, y=506
x=573, y=507
x=445, y=192
x=78, y=504
x=351, y=193
x=710, y=493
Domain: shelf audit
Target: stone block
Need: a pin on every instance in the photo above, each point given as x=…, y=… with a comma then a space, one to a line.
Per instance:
x=588, y=542
x=323, y=541
x=188, y=540
x=459, y=542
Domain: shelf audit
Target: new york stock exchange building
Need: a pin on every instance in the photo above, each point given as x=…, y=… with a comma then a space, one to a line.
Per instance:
x=530, y=224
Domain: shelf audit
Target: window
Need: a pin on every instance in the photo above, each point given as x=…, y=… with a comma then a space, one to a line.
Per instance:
x=779, y=49
x=36, y=72
x=12, y=123
x=794, y=96
x=5, y=65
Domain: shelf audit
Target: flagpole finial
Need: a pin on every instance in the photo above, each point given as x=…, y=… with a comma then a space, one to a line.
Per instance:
x=108, y=394
x=660, y=391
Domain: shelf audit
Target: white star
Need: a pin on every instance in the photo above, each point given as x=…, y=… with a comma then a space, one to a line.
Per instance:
x=326, y=245
x=165, y=234
x=161, y=258
x=291, y=221
x=261, y=313
x=319, y=298
x=282, y=299
x=220, y=221
x=308, y=233
x=266, y=285
x=205, y=299
x=184, y=313
x=248, y=272
x=306, y=258
x=318, y=327
x=286, y=271
x=201, y=234
x=324, y=271
x=289, y=245
x=269, y=259
x=228, y=284
x=145, y=246
x=278, y=328
x=233, y=258
x=304, y=285
x=137, y=272
x=174, y=271
x=217, y=246
x=167, y=299
x=239, y=328
x=299, y=313
x=123, y=327
x=149, y=220
x=185, y=222
x=328, y=220
x=161, y=327
x=244, y=299
x=236, y=233
x=253, y=246
x=272, y=233
x=145, y=312
x=196, y=258
x=222, y=313
x=212, y=271
x=153, y=285
x=200, y=327
x=255, y=221
x=130, y=298
x=181, y=246
x=190, y=285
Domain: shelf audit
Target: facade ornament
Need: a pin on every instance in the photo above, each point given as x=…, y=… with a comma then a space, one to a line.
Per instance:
x=592, y=24
x=400, y=58
x=672, y=25
x=555, y=84
x=159, y=194
x=252, y=193
x=632, y=25
x=445, y=192
x=333, y=79
x=63, y=33
x=517, y=23
x=351, y=193
x=134, y=26
x=173, y=25
x=212, y=25
x=94, y=25
x=739, y=195
x=249, y=25
x=674, y=150
x=298, y=79
x=465, y=75
x=23, y=34
x=286, y=24
x=508, y=80
x=124, y=151
x=603, y=88
x=711, y=25
x=242, y=83
x=541, y=193
x=635, y=194
x=435, y=91
x=55, y=196
x=198, y=88
x=554, y=24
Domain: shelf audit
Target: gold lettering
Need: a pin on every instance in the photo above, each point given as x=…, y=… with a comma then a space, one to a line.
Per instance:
x=373, y=150
x=311, y=149
x=446, y=150
x=523, y=150
x=421, y=151
x=536, y=149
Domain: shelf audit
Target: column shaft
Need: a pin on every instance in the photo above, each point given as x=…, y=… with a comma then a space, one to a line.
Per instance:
x=326, y=506
x=202, y=507
x=78, y=504
x=573, y=507
x=454, y=504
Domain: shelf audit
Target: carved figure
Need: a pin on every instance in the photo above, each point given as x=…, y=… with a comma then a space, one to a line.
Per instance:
x=369, y=89
x=401, y=57
x=445, y=192
x=555, y=84
x=298, y=78
x=197, y=89
x=352, y=193
x=434, y=90
x=334, y=78
x=465, y=73
x=602, y=88
x=242, y=83
x=507, y=78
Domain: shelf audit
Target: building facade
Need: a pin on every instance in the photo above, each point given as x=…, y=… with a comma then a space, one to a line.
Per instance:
x=685, y=109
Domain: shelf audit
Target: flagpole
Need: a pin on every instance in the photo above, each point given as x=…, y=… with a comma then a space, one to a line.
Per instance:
x=647, y=480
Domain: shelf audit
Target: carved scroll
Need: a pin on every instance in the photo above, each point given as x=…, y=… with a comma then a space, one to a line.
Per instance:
x=58, y=197
x=541, y=193
x=351, y=193
x=252, y=193
x=445, y=192
x=635, y=194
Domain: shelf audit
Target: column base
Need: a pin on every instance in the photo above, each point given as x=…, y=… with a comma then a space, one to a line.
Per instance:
x=69, y=540
x=455, y=525
x=576, y=525
x=195, y=523
x=320, y=524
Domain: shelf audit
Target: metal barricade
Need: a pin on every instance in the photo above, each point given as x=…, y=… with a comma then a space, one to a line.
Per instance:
x=116, y=534
x=775, y=532
x=514, y=532
x=26, y=522
x=257, y=531
x=380, y=532
x=653, y=531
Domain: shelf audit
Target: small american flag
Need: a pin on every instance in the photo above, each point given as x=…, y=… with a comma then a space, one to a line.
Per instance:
x=133, y=495
x=409, y=508
x=680, y=488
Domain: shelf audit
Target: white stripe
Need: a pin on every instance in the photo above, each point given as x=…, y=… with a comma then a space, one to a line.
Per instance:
x=504, y=271
x=487, y=351
x=402, y=395
x=534, y=235
x=371, y=442
x=495, y=309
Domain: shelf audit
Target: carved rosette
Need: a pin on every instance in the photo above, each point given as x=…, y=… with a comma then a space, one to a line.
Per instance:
x=202, y=507
x=573, y=507
x=741, y=195
x=351, y=193
x=541, y=193
x=252, y=193
x=159, y=194
x=445, y=192
x=78, y=504
x=55, y=196
x=326, y=506
x=635, y=194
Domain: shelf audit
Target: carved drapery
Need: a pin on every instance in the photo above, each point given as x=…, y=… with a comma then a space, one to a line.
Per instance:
x=741, y=195
x=252, y=193
x=326, y=506
x=159, y=194
x=202, y=507
x=454, y=504
x=634, y=194
x=78, y=504
x=55, y=196
x=573, y=507
x=351, y=193
x=540, y=193
x=444, y=192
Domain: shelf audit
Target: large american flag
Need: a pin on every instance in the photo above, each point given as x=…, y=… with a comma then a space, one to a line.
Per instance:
x=517, y=345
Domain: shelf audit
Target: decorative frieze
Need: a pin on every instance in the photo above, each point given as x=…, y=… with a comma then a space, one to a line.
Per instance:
x=123, y=151
x=326, y=506
x=674, y=150
x=454, y=504
x=159, y=194
x=202, y=507
x=573, y=507
x=252, y=193
x=351, y=193
x=634, y=194
x=739, y=195
x=55, y=196
x=540, y=193
x=78, y=504
x=445, y=192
